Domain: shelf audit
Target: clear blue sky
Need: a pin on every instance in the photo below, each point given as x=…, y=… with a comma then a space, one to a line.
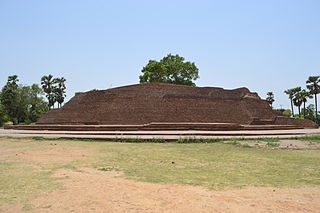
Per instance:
x=265, y=45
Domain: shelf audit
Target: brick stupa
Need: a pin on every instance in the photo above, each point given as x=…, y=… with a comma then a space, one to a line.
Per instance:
x=167, y=106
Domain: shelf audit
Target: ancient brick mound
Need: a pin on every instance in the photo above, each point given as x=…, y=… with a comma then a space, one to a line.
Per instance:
x=143, y=104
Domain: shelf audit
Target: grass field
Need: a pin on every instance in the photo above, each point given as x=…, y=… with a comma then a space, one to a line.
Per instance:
x=27, y=165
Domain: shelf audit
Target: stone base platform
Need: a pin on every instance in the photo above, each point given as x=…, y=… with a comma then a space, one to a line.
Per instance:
x=164, y=135
x=154, y=127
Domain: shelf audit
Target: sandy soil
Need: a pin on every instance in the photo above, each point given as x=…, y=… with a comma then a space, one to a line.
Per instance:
x=91, y=190
x=56, y=153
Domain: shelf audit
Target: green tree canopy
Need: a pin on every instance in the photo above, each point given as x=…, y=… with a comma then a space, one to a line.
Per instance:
x=47, y=83
x=55, y=89
x=3, y=115
x=304, y=97
x=60, y=90
x=20, y=103
x=270, y=98
x=298, y=99
x=313, y=84
x=171, y=69
x=34, y=102
x=9, y=98
x=310, y=112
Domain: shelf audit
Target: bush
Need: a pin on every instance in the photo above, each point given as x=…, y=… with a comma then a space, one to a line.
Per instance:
x=283, y=112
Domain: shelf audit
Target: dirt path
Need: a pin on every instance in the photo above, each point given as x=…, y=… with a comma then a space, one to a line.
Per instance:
x=91, y=190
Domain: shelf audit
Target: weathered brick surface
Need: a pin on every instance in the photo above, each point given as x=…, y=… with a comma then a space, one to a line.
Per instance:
x=164, y=103
x=282, y=120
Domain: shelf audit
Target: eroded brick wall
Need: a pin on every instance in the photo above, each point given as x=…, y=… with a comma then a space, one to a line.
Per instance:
x=145, y=103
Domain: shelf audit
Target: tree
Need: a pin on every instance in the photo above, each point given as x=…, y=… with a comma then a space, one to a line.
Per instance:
x=20, y=103
x=60, y=90
x=297, y=99
x=284, y=112
x=23, y=103
x=3, y=115
x=30, y=104
x=270, y=98
x=310, y=113
x=170, y=69
x=9, y=98
x=291, y=93
x=304, y=96
x=36, y=104
x=48, y=86
x=313, y=84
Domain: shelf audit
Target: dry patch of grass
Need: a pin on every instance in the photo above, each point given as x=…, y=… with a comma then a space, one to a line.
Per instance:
x=27, y=165
x=19, y=180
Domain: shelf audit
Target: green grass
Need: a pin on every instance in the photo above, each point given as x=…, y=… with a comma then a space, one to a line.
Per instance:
x=273, y=144
x=19, y=180
x=310, y=138
x=216, y=166
x=22, y=178
x=206, y=162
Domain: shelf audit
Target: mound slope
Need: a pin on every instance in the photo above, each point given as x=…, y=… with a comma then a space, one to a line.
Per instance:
x=167, y=103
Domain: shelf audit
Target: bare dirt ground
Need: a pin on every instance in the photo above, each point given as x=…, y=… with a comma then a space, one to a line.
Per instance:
x=285, y=144
x=91, y=190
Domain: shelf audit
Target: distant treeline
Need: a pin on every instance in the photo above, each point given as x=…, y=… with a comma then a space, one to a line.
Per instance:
x=298, y=97
x=26, y=104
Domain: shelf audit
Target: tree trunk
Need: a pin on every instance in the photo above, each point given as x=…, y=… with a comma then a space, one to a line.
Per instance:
x=316, y=105
x=304, y=109
x=292, y=108
x=299, y=111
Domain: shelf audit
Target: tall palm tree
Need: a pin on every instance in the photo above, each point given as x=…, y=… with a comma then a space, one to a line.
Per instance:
x=291, y=93
x=304, y=96
x=313, y=84
x=48, y=86
x=270, y=98
x=297, y=99
x=60, y=90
